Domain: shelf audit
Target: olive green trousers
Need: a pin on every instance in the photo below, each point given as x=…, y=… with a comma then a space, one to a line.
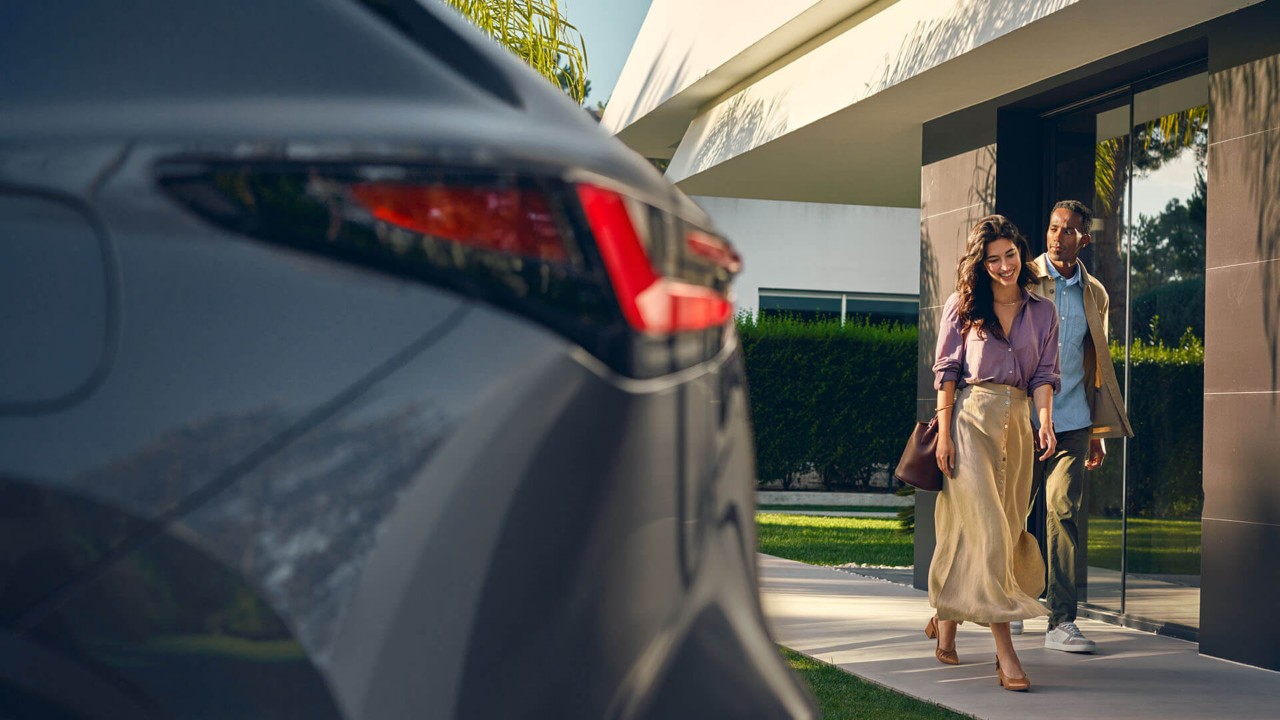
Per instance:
x=1062, y=477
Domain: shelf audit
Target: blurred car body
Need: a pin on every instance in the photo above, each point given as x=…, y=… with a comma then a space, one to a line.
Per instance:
x=346, y=370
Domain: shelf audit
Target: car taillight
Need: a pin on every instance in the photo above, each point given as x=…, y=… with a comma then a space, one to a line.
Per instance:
x=510, y=220
x=650, y=302
x=633, y=285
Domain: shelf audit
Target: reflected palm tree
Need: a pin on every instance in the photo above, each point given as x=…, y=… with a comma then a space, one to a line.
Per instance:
x=1153, y=144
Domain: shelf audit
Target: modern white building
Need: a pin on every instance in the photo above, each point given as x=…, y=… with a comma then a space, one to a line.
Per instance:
x=847, y=146
x=810, y=240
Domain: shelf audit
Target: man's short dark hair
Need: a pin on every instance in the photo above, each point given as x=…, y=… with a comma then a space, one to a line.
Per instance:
x=1079, y=208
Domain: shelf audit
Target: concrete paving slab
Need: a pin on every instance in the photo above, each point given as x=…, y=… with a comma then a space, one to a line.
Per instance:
x=836, y=513
x=875, y=629
x=850, y=499
x=901, y=575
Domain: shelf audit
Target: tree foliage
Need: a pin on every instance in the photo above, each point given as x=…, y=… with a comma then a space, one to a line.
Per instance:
x=538, y=33
x=1166, y=249
x=1169, y=246
x=1155, y=143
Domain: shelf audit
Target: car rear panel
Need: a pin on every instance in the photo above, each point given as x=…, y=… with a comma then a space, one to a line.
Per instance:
x=277, y=75
x=363, y=456
x=284, y=482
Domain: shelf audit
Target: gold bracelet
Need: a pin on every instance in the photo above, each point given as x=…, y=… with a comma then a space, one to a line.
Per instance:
x=945, y=407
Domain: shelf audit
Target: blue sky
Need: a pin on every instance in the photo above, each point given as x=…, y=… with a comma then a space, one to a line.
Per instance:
x=609, y=29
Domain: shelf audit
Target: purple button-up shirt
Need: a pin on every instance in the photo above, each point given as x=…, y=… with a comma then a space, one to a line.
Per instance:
x=1026, y=360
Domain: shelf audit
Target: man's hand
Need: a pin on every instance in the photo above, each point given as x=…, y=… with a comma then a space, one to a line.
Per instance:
x=1097, y=453
x=1046, y=439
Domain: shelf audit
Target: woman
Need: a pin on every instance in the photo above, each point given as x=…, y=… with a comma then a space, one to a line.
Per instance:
x=997, y=344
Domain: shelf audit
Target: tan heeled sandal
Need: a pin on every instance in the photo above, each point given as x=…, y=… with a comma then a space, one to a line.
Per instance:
x=946, y=657
x=1016, y=684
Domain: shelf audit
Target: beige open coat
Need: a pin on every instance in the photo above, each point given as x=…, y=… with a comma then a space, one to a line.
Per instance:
x=1102, y=390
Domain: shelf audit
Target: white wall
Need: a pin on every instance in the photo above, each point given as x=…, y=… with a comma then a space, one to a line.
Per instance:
x=817, y=246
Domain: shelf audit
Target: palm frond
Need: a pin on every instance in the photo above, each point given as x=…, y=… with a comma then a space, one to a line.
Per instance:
x=1109, y=175
x=537, y=32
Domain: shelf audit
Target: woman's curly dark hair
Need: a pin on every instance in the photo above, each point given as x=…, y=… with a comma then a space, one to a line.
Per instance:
x=977, y=305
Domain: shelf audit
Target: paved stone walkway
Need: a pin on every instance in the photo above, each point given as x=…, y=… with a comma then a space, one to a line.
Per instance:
x=874, y=629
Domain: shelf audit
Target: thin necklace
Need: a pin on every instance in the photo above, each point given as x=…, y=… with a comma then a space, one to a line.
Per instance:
x=1015, y=302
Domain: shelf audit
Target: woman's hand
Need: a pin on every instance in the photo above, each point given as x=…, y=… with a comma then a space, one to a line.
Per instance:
x=1047, y=440
x=946, y=454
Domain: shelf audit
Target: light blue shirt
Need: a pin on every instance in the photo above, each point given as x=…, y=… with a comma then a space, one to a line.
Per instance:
x=1070, y=408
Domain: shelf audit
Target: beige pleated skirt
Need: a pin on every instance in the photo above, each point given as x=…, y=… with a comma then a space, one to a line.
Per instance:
x=986, y=567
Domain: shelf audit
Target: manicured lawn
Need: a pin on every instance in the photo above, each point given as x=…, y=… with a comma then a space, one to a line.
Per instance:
x=843, y=696
x=820, y=540
x=1158, y=547
x=1155, y=546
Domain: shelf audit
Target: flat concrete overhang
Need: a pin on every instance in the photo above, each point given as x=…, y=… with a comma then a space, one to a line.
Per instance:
x=690, y=53
x=841, y=122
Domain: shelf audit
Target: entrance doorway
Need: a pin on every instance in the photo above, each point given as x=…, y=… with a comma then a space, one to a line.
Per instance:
x=1137, y=156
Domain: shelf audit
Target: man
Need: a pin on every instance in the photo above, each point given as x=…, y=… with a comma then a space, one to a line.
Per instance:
x=1086, y=410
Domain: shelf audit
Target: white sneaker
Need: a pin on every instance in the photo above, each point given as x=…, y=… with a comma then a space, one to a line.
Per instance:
x=1068, y=638
x=1015, y=627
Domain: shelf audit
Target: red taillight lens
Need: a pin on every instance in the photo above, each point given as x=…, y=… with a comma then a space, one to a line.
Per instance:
x=650, y=303
x=714, y=249
x=514, y=221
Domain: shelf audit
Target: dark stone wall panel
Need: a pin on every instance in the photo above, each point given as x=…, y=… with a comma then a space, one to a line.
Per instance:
x=945, y=234
x=958, y=182
x=1238, y=595
x=1240, y=580
x=942, y=239
x=1242, y=328
x=1244, y=36
x=924, y=539
x=1242, y=459
x=1244, y=205
x=924, y=358
x=955, y=191
x=1246, y=99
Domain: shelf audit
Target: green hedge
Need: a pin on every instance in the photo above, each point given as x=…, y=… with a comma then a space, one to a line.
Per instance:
x=836, y=400
x=1166, y=454
x=839, y=401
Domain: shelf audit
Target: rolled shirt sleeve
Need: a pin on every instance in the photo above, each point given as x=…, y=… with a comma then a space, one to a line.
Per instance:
x=949, y=352
x=1047, y=371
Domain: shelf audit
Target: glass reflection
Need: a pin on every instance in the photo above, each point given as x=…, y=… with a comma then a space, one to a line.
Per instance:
x=1139, y=159
x=1091, y=164
x=1105, y=486
x=1166, y=394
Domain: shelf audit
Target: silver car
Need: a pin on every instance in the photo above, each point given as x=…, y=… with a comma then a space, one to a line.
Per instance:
x=348, y=370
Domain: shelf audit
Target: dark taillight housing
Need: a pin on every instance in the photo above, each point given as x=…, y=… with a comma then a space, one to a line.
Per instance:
x=634, y=285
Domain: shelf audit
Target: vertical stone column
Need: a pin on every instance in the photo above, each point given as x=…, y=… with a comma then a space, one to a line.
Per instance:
x=956, y=190
x=1240, y=570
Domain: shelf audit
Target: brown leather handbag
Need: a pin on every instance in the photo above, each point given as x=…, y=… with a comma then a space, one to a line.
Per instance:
x=919, y=463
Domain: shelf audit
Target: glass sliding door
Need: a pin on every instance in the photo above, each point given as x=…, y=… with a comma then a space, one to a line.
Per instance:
x=1166, y=238
x=1090, y=150
x=1137, y=157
